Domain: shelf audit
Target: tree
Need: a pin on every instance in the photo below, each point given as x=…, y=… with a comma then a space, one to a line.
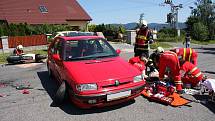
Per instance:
x=200, y=31
x=91, y=27
x=205, y=14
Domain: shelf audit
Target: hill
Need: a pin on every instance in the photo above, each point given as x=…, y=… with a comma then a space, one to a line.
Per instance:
x=158, y=26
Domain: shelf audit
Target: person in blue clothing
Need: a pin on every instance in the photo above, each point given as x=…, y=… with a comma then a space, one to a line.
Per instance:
x=187, y=40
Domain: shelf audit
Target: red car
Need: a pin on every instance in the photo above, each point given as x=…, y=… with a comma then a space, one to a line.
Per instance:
x=91, y=72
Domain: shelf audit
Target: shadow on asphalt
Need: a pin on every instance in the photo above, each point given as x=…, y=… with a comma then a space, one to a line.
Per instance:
x=209, y=72
x=50, y=85
x=207, y=50
x=204, y=101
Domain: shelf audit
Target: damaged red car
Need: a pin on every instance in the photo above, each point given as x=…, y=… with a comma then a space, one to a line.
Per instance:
x=91, y=72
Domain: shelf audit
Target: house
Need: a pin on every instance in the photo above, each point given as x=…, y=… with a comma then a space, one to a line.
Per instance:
x=36, y=12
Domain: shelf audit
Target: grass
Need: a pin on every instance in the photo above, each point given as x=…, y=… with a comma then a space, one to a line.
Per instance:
x=161, y=44
x=203, y=42
x=42, y=52
x=3, y=56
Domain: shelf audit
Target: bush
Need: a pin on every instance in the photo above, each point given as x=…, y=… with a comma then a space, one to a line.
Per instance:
x=25, y=29
x=200, y=32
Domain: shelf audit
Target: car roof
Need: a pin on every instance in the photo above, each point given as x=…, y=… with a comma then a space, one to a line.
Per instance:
x=67, y=38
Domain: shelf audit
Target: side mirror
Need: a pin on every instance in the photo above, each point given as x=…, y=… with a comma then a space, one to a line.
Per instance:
x=118, y=51
x=56, y=57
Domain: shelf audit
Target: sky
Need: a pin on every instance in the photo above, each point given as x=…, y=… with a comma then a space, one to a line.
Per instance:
x=127, y=11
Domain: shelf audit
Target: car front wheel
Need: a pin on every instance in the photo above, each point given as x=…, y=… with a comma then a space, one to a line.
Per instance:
x=49, y=72
x=60, y=94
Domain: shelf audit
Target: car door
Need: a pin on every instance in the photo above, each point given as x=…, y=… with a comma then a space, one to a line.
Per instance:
x=56, y=58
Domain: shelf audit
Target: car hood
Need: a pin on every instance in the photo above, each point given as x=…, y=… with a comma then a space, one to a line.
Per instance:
x=94, y=71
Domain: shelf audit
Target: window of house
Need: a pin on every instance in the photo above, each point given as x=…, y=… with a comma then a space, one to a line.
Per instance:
x=43, y=9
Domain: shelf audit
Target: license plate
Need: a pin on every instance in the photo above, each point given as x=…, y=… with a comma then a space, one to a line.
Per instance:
x=119, y=95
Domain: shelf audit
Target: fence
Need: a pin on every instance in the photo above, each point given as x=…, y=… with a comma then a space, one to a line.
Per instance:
x=26, y=41
x=7, y=44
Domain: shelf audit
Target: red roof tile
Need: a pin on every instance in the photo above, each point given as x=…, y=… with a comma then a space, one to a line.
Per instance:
x=59, y=11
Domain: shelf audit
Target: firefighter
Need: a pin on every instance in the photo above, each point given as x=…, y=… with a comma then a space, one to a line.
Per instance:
x=187, y=54
x=190, y=74
x=140, y=63
x=18, y=50
x=168, y=64
x=152, y=57
x=142, y=38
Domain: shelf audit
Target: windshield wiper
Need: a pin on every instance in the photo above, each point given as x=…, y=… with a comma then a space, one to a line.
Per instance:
x=82, y=58
x=104, y=56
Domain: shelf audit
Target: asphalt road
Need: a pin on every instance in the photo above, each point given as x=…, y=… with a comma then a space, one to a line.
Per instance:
x=37, y=106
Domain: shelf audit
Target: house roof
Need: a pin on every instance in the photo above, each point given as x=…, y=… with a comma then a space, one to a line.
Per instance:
x=58, y=11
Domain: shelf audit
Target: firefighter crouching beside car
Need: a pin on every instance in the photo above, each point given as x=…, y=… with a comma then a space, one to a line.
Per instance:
x=187, y=54
x=190, y=74
x=141, y=42
x=18, y=50
x=139, y=62
x=168, y=64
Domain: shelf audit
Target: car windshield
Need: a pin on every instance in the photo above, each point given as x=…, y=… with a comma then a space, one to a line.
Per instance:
x=88, y=49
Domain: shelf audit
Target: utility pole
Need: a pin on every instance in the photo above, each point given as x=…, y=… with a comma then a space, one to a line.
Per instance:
x=141, y=17
x=172, y=17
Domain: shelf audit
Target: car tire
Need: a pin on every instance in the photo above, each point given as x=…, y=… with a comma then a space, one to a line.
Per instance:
x=59, y=97
x=39, y=57
x=50, y=72
x=13, y=59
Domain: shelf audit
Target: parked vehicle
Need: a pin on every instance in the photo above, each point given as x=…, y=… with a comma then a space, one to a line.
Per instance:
x=72, y=33
x=91, y=72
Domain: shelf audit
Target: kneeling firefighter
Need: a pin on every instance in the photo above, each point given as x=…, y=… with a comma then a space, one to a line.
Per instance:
x=190, y=74
x=168, y=64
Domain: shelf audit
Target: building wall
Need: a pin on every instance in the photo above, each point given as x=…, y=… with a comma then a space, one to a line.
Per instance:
x=81, y=24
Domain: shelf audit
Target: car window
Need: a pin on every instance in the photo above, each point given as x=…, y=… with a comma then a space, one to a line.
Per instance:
x=88, y=49
x=57, y=47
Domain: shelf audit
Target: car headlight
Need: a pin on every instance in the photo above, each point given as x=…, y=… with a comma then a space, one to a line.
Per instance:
x=138, y=78
x=86, y=87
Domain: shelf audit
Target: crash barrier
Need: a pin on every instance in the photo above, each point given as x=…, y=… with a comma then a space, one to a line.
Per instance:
x=1, y=44
x=26, y=41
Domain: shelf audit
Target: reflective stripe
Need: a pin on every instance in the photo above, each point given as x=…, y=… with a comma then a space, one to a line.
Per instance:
x=142, y=48
x=193, y=70
x=197, y=75
x=184, y=54
x=190, y=54
x=179, y=83
x=141, y=37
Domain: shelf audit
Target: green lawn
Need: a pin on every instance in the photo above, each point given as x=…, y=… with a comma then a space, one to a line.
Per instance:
x=203, y=43
x=161, y=44
x=3, y=56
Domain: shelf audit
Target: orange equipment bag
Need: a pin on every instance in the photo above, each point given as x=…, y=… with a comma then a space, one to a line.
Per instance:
x=164, y=95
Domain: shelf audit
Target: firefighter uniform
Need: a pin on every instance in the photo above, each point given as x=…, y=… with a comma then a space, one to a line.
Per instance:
x=190, y=74
x=187, y=54
x=169, y=65
x=136, y=62
x=141, y=42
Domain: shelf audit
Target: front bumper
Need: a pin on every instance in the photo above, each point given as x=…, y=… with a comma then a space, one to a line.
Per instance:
x=101, y=99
